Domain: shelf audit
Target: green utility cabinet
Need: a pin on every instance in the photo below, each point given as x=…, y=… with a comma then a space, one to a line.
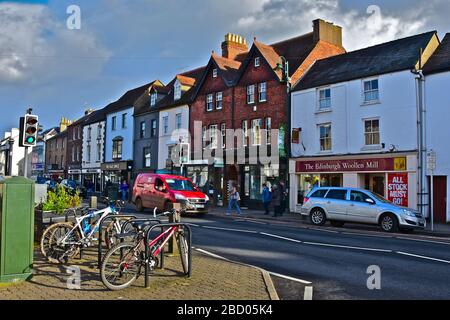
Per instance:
x=16, y=229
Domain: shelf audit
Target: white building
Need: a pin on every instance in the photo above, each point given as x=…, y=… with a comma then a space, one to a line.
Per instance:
x=12, y=156
x=437, y=103
x=174, y=116
x=93, y=150
x=119, y=137
x=354, y=120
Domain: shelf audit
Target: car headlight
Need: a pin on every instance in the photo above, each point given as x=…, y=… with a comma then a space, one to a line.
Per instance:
x=180, y=197
x=206, y=198
x=409, y=213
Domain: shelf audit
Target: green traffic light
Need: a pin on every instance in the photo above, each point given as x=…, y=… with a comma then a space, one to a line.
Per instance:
x=30, y=140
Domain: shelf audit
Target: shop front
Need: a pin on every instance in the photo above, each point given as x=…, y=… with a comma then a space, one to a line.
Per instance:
x=116, y=172
x=393, y=176
x=92, y=180
x=75, y=173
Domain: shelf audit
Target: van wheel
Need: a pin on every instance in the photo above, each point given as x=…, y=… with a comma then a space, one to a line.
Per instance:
x=139, y=205
x=317, y=217
x=389, y=223
x=337, y=224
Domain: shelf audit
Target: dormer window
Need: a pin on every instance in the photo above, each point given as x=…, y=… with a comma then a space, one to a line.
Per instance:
x=153, y=98
x=257, y=62
x=214, y=73
x=177, y=93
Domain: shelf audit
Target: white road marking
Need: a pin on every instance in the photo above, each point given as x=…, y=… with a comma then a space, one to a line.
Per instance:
x=422, y=257
x=271, y=273
x=308, y=293
x=421, y=240
x=346, y=247
x=227, y=229
x=290, y=278
x=280, y=237
x=192, y=224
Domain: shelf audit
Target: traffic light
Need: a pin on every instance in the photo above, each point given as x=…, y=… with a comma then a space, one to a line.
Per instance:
x=29, y=130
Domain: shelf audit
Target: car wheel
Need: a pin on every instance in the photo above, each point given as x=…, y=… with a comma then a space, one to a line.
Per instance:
x=139, y=205
x=337, y=224
x=318, y=217
x=389, y=223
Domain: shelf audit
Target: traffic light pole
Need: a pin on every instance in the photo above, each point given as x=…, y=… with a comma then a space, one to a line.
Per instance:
x=25, y=167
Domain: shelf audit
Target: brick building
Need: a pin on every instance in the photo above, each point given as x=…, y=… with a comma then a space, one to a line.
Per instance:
x=55, y=153
x=74, y=150
x=248, y=89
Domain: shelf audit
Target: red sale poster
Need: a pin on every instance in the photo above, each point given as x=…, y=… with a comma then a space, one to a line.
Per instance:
x=398, y=188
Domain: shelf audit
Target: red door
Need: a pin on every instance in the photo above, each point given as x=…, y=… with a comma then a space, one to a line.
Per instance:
x=440, y=199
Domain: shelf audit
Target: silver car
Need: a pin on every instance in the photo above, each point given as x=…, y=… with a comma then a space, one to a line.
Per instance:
x=341, y=205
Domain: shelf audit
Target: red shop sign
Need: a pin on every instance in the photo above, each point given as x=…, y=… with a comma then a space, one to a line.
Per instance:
x=397, y=188
x=352, y=165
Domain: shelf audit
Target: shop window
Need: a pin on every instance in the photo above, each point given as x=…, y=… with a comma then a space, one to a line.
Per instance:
x=375, y=183
x=331, y=180
x=306, y=184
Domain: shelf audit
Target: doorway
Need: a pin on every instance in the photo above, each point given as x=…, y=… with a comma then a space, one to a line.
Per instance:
x=376, y=183
x=439, y=198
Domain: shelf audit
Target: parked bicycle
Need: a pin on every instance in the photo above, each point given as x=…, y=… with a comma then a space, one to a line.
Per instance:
x=123, y=264
x=63, y=241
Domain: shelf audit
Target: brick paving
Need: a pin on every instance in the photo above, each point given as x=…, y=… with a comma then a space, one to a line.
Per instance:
x=212, y=279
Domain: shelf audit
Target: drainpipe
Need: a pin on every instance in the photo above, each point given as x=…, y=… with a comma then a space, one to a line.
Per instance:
x=421, y=139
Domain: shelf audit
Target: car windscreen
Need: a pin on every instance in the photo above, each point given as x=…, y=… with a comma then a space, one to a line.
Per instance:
x=380, y=198
x=180, y=185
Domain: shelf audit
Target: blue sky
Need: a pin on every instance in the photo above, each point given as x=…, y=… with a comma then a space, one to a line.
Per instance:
x=123, y=44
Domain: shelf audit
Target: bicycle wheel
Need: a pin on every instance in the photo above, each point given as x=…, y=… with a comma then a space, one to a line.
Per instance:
x=121, y=266
x=184, y=252
x=51, y=247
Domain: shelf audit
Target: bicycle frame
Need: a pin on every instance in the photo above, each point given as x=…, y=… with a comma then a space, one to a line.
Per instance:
x=166, y=235
x=104, y=213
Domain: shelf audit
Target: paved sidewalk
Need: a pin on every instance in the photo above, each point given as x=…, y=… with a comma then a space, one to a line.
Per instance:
x=213, y=279
x=440, y=230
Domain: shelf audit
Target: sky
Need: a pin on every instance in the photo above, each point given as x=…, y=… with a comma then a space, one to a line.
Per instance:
x=122, y=44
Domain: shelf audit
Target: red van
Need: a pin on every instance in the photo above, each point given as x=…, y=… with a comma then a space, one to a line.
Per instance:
x=161, y=190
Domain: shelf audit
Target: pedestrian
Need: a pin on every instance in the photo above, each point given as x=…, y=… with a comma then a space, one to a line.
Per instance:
x=276, y=200
x=283, y=198
x=124, y=190
x=266, y=198
x=234, y=201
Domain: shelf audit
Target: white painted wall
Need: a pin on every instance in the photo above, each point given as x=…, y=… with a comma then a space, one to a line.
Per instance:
x=18, y=155
x=171, y=137
x=97, y=140
x=126, y=133
x=396, y=111
x=438, y=119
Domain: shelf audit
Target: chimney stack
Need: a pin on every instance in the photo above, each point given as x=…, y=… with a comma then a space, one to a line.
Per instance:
x=328, y=32
x=88, y=111
x=233, y=46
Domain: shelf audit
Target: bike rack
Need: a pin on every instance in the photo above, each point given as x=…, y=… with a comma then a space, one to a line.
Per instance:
x=146, y=222
x=108, y=218
x=147, y=241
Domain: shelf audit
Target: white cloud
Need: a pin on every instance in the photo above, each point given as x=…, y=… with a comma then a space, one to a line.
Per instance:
x=361, y=29
x=36, y=48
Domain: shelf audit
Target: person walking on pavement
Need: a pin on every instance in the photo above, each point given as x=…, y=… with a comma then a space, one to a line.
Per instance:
x=267, y=198
x=276, y=200
x=234, y=201
x=283, y=198
x=124, y=190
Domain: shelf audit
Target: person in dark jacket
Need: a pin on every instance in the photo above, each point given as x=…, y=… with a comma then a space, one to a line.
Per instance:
x=283, y=198
x=266, y=198
x=276, y=200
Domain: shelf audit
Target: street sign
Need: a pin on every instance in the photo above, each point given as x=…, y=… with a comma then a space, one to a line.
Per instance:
x=431, y=160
